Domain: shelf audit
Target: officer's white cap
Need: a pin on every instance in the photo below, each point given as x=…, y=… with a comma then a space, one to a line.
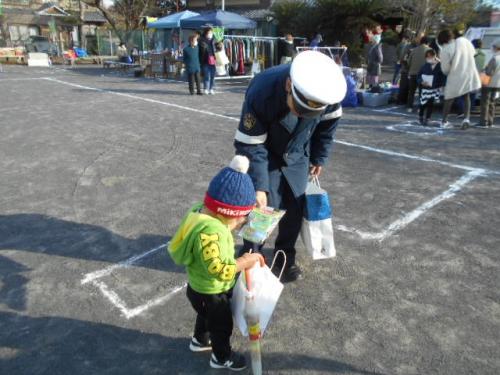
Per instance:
x=318, y=78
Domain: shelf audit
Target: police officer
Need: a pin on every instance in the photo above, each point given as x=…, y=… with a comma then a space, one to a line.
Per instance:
x=286, y=129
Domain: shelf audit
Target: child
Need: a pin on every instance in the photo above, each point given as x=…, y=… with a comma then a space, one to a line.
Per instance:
x=221, y=59
x=431, y=80
x=192, y=62
x=204, y=244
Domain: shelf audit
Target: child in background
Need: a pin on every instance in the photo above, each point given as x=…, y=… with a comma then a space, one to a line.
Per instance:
x=431, y=80
x=221, y=59
x=204, y=244
x=192, y=62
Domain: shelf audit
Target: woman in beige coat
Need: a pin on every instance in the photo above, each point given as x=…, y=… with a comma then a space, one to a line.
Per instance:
x=457, y=63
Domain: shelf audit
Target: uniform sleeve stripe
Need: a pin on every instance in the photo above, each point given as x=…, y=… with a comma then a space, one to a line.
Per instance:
x=250, y=139
x=332, y=115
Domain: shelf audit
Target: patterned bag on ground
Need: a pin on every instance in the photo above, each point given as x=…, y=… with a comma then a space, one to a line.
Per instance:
x=317, y=227
x=265, y=291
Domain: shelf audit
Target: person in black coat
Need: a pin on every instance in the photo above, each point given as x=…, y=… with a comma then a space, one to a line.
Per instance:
x=287, y=49
x=191, y=56
x=207, y=59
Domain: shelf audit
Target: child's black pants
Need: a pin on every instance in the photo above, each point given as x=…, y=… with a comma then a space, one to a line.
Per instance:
x=429, y=106
x=215, y=319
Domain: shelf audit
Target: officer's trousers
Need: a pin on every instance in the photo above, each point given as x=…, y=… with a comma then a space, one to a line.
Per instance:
x=290, y=224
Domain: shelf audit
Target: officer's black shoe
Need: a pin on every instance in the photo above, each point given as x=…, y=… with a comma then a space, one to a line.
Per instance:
x=199, y=93
x=290, y=274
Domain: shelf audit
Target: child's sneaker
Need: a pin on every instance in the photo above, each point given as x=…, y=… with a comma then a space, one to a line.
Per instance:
x=236, y=362
x=206, y=91
x=446, y=125
x=212, y=92
x=197, y=346
x=465, y=124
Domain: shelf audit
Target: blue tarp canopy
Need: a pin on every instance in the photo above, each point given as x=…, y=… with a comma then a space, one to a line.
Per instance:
x=220, y=18
x=173, y=21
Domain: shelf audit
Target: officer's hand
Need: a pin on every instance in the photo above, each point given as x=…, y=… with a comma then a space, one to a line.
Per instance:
x=315, y=170
x=261, y=197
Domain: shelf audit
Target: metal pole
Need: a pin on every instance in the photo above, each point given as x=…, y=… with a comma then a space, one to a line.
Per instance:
x=110, y=43
x=142, y=52
x=223, y=5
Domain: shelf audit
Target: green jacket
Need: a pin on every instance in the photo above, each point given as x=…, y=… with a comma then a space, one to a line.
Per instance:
x=205, y=246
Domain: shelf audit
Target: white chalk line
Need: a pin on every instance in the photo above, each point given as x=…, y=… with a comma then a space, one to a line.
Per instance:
x=413, y=157
x=411, y=216
x=124, y=264
x=368, y=148
x=122, y=306
x=142, y=98
x=236, y=119
x=390, y=111
x=429, y=130
x=115, y=299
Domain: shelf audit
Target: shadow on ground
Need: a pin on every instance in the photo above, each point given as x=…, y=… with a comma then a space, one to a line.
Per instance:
x=48, y=235
x=12, y=284
x=53, y=345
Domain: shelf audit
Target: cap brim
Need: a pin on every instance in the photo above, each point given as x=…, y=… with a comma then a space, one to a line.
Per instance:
x=305, y=106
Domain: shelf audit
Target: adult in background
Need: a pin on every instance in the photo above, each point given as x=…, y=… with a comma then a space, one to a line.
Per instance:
x=207, y=59
x=400, y=51
x=286, y=129
x=415, y=62
x=489, y=91
x=191, y=55
x=317, y=40
x=479, y=56
x=480, y=60
x=287, y=49
x=375, y=59
x=457, y=63
x=122, y=53
x=403, y=81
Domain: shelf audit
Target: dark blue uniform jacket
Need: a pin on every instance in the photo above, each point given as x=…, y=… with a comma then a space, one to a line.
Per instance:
x=277, y=142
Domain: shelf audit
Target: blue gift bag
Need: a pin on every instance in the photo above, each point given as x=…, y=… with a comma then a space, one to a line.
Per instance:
x=317, y=228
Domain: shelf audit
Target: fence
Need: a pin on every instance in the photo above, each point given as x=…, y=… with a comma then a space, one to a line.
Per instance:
x=107, y=41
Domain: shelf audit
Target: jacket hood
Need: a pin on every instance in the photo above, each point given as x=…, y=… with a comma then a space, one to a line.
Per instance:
x=181, y=245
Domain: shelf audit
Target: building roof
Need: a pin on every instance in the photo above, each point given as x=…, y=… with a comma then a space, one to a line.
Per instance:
x=51, y=9
x=93, y=17
x=28, y=16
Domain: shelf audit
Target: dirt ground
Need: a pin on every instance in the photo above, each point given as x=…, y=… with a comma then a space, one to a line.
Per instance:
x=98, y=169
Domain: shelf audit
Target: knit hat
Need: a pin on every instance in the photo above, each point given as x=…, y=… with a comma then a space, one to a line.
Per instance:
x=231, y=192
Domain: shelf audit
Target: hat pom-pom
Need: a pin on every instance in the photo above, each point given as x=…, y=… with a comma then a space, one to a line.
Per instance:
x=240, y=164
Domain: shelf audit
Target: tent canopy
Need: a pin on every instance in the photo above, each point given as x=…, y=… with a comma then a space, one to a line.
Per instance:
x=172, y=21
x=219, y=18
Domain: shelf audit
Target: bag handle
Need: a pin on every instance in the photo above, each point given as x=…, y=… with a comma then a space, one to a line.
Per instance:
x=274, y=261
x=315, y=181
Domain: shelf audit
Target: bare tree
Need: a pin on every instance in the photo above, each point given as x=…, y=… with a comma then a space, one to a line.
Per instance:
x=426, y=13
x=99, y=4
x=4, y=30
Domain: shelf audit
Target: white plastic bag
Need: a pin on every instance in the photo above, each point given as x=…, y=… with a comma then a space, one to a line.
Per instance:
x=266, y=290
x=256, y=67
x=317, y=227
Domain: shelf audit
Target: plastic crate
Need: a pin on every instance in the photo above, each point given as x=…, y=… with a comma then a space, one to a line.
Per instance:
x=376, y=100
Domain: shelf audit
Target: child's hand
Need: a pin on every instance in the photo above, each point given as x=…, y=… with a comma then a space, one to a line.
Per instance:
x=248, y=260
